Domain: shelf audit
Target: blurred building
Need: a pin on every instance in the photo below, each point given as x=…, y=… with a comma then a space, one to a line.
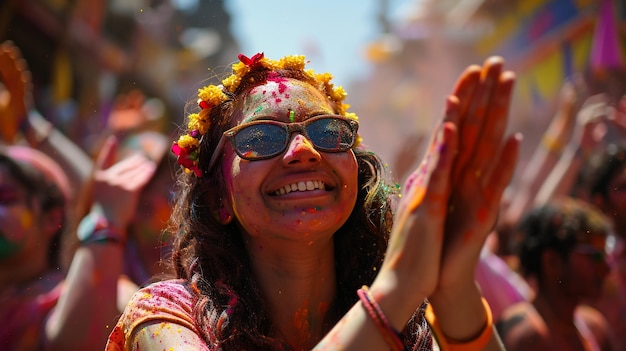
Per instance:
x=83, y=53
x=417, y=59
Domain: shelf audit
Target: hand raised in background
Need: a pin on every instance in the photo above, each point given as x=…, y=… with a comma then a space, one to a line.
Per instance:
x=15, y=91
x=117, y=185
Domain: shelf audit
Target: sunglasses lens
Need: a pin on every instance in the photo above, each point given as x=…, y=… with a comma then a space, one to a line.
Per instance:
x=331, y=134
x=260, y=141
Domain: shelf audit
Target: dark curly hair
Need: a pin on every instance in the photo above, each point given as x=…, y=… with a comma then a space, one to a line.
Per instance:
x=556, y=226
x=600, y=168
x=229, y=309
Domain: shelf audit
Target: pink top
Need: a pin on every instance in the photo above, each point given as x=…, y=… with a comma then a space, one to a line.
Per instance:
x=166, y=301
x=24, y=310
x=500, y=285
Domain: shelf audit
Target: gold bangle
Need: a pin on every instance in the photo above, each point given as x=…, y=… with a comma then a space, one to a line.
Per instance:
x=445, y=344
x=552, y=145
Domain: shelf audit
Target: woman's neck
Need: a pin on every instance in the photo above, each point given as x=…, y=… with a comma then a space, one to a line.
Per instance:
x=555, y=308
x=298, y=283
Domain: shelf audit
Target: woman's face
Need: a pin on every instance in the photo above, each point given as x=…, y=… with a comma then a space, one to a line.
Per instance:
x=588, y=267
x=327, y=182
x=18, y=216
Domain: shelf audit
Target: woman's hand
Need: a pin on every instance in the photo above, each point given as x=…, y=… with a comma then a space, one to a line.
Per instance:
x=117, y=185
x=15, y=90
x=451, y=202
x=483, y=168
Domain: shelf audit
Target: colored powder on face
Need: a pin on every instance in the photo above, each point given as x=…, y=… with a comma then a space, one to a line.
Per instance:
x=7, y=248
x=281, y=87
x=274, y=77
x=482, y=215
x=278, y=100
x=292, y=116
x=300, y=320
x=313, y=209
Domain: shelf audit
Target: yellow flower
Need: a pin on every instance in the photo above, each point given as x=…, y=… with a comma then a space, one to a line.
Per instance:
x=186, y=141
x=212, y=94
x=199, y=122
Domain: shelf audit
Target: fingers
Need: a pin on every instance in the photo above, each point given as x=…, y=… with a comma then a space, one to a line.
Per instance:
x=499, y=179
x=474, y=106
x=107, y=155
x=450, y=117
x=438, y=189
x=426, y=201
x=433, y=182
x=494, y=126
x=466, y=86
x=134, y=172
x=130, y=174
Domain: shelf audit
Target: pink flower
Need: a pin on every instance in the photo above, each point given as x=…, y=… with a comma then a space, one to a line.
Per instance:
x=252, y=60
x=187, y=157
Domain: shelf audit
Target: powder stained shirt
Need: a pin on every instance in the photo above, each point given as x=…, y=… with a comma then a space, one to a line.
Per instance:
x=166, y=301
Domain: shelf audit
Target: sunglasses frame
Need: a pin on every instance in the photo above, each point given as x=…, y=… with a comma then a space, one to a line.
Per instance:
x=289, y=127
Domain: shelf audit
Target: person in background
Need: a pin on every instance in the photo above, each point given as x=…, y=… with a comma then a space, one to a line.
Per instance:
x=561, y=247
x=130, y=183
x=33, y=221
x=287, y=234
x=602, y=182
x=23, y=124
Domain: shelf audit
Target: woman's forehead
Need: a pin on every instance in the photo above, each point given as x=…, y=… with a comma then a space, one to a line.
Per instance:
x=279, y=96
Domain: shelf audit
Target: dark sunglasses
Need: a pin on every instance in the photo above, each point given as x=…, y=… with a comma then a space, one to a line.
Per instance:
x=263, y=139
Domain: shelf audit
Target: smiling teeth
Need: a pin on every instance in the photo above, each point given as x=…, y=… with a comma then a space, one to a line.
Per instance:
x=300, y=186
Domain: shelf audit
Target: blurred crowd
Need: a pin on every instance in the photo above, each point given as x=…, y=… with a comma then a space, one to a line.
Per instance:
x=554, y=267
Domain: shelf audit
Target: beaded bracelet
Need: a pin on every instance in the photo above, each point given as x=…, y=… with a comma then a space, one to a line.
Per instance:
x=445, y=344
x=103, y=236
x=94, y=228
x=391, y=336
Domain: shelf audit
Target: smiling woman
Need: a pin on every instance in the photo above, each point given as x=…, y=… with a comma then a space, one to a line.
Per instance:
x=283, y=218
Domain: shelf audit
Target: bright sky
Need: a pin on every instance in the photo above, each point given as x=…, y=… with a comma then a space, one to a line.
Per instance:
x=333, y=36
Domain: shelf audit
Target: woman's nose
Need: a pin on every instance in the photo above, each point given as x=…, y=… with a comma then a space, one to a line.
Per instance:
x=300, y=150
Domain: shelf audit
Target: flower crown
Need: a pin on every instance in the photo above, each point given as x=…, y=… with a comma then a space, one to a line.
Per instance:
x=210, y=96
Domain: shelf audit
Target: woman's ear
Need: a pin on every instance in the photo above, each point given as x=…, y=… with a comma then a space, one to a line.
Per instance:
x=220, y=206
x=224, y=215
